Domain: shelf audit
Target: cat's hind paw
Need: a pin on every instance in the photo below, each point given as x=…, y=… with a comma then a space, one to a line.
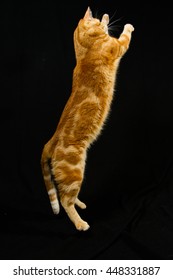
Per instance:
x=82, y=225
x=80, y=203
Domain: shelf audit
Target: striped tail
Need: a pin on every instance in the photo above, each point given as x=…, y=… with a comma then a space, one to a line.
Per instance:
x=53, y=197
x=50, y=183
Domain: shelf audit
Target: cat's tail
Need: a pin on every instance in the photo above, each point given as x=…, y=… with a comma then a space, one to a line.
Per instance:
x=53, y=193
x=50, y=183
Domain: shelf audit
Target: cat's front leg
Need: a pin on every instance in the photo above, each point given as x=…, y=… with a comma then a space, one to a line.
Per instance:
x=128, y=29
x=125, y=38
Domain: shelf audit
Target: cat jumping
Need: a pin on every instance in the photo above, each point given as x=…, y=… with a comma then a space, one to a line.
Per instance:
x=64, y=155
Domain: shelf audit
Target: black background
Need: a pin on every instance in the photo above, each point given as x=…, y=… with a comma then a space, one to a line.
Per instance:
x=128, y=185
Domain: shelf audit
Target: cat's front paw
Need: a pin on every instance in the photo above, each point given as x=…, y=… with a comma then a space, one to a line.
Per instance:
x=128, y=28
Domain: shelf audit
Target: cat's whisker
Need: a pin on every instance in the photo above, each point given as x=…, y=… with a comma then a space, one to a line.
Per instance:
x=96, y=15
x=112, y=29
x=111, y=23
x=112, y=15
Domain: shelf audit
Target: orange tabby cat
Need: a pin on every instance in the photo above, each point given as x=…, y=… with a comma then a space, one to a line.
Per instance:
x=64, y=156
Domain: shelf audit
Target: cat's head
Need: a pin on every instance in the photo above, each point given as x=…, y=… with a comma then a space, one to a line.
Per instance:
x=93, y=26
x=89, y=30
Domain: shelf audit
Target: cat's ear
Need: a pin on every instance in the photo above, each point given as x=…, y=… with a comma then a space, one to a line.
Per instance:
x=88, y=14
x=105, y=19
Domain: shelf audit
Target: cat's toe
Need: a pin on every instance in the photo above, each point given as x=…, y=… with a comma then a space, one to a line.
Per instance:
x=82, y=226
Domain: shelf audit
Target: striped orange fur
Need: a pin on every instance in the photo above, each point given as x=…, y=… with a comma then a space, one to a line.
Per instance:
x=63, y=157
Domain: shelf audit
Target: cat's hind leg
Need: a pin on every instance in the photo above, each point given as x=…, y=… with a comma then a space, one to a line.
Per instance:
x=68, y=201
x=68, y=170
x=80, y=204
